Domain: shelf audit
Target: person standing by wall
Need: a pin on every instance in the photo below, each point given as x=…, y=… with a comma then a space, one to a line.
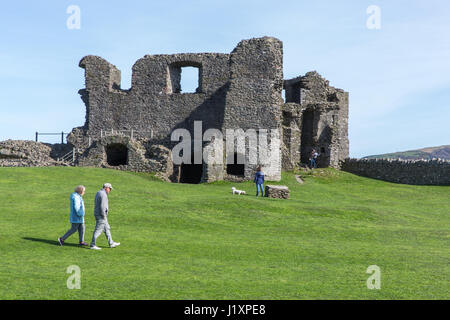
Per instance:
x=77, y=212
x=259, y=180
x=313, y=159
x=101, y=217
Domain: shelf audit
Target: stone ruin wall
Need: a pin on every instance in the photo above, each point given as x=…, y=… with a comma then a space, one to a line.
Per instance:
x=237, y=90
x=23, y=153
x=242, y=90
x=315, y=116
x=417, y=172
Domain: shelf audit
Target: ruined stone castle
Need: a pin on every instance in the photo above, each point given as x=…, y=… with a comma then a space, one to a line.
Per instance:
x=131, y=129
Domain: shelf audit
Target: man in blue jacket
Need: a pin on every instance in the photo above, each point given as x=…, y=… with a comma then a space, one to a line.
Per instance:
x=76, y=216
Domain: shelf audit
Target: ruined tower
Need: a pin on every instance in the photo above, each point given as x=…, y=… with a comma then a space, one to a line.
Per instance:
x=131, y=129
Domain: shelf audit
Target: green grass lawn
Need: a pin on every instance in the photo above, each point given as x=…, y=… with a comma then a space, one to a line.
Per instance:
x=182, y=241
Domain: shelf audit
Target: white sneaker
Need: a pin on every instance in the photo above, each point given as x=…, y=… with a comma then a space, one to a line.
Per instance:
x=114, y=244
x=96, y=248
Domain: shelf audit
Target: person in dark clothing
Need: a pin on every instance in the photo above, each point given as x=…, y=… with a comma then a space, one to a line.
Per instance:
x=313, y=159
x=259, y=180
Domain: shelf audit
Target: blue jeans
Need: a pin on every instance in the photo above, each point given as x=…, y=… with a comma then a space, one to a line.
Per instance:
x=75, y=227
x=313, y=163
x=258, y=187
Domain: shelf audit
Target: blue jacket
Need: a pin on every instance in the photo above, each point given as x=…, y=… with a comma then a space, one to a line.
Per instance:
x=259, y=177
x=76, y=208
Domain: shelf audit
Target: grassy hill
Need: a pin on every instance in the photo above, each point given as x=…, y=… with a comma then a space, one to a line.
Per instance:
x=182, y=241
x=442, y=152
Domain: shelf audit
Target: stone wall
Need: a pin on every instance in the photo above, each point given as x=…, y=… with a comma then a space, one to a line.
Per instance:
x=24, y=153
x=239, y=90
x=418, y=172
x=275, y=191
x=154, y=100
x=130, y=129
x=253, y=100
x=315, y=116
x=137, y=156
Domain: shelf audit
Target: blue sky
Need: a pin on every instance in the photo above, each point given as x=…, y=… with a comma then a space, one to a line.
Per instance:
x=398, y=76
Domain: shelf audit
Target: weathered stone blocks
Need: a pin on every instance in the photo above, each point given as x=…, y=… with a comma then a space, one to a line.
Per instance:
x=274, y=191
x=239, y=90
x=315, y=116
x=23, y=153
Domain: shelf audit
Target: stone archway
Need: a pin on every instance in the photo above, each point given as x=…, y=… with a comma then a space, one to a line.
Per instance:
x=191, y=173
x=116, y=154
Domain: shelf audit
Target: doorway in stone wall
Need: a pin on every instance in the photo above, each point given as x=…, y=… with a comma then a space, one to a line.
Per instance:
x=116, y=154
x=307, y=140
x=191, y=173
x=235, y=168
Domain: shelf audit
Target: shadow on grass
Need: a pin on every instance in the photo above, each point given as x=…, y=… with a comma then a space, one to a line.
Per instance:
x=53, y=242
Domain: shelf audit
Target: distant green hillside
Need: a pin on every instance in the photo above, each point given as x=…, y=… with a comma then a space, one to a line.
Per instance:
x=442, y=152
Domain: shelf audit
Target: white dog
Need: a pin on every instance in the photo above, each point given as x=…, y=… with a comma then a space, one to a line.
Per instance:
x=236, y=191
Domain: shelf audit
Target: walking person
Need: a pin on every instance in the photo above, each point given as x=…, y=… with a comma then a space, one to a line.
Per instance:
x=77, y=211
x=101, y=217
x=259, y=180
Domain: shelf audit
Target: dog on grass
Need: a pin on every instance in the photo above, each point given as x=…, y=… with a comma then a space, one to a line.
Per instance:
x=236, y=191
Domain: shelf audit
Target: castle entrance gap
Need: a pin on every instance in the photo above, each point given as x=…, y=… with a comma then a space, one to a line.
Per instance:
x=116, y=154
x=191, y=173
x=307, y=136
x=236, y=168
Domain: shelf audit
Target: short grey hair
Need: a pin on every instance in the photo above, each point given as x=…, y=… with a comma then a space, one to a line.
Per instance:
x=79, y=189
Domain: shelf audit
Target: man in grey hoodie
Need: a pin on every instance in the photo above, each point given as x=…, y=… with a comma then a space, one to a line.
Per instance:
x=101, y=217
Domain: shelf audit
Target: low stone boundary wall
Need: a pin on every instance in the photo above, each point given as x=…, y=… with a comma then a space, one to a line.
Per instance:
x=275, y=191
x=25, y=153
x=418, y=172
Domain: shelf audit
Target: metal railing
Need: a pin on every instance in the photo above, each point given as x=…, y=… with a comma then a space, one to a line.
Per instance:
x=128, y=133
x=68, y=157
x=51, y=134
x=103, y=133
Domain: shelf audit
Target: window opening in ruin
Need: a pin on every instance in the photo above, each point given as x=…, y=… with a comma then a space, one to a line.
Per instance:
x=191, y=173
x=184, y=77
x=189, y=82
x=293, y=93
x=236, y=169
x=307, y=143
x=116, y=154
